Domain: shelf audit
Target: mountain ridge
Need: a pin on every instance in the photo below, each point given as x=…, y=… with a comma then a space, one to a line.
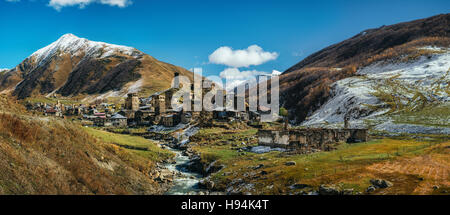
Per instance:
x=375, y=40
x=77, y=67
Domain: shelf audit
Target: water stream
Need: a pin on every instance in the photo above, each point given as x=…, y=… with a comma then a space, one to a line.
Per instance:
x=185, y=182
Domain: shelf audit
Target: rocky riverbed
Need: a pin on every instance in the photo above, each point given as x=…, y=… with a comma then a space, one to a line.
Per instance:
x=185, y=181
x=184, y=178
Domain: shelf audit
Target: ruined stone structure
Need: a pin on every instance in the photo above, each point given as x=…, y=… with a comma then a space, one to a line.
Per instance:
x=132, y=102
x=170, y=120
x=308, y=139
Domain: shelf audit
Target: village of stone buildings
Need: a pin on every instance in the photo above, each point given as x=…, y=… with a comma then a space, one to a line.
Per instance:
x=138, y=112
x=157, y=110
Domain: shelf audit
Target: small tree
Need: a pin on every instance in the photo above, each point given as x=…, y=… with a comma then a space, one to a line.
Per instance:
x=285, y=113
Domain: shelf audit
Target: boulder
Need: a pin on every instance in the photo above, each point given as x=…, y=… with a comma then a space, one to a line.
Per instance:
x=371, y=189
x=210, y=185
x=258, y=167
x=300, y=186
x=226, y=174
x=212, y=168
x=195, y=165
x=206, y=184
x=328, y=190
x=380, y=183
x=290, y=163
x=348, y=192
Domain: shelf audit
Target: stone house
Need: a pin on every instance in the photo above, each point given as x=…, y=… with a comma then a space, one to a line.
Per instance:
x=99, y=119
x=118, y=120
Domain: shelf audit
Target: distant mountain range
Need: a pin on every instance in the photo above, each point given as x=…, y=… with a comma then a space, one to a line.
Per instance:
x=307, y=87
x=77, y=67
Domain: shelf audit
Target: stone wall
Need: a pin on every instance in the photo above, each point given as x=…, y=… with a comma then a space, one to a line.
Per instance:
x=309, y=139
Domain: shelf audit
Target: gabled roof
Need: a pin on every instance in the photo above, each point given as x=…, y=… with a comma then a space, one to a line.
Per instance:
x=118, y=116
x=50, y=110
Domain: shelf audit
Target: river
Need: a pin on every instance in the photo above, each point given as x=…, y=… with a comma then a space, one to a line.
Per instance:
x=185, y=182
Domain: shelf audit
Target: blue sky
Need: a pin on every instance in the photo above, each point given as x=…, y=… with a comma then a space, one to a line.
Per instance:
x=186, y=33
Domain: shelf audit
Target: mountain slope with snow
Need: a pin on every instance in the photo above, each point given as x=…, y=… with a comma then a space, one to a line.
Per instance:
x=78, y=67
x=386, y=88
x=306, y=86
x=71, y=44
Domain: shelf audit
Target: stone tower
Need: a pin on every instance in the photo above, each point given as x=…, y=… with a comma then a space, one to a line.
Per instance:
x=160, y=104
x=176, y=84
x=132, y=102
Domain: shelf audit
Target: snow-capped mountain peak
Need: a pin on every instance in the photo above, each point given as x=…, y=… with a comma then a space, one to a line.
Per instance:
x=74, y=45
x=4, y=70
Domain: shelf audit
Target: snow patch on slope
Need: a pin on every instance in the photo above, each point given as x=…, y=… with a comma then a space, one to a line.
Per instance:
x=108, y=94
x=130, y=88
x=348, y=95
x=136, y=86
x=351, y=97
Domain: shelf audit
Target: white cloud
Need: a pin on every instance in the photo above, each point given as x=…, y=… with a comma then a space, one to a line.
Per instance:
x=230, y=85
x=252, y=56
x=58, y=4
x=234, y=77
x=234, y=73
x=276, y=73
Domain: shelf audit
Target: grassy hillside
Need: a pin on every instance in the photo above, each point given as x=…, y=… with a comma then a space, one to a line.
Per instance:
x=133, y=144
x=52, y=156
x=438, y=115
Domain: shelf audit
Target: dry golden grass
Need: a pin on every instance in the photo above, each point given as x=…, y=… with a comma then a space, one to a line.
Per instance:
x=52, y=156
x=433, y=168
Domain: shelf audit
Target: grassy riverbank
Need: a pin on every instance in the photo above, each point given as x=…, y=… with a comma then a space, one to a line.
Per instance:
x=134, y=144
